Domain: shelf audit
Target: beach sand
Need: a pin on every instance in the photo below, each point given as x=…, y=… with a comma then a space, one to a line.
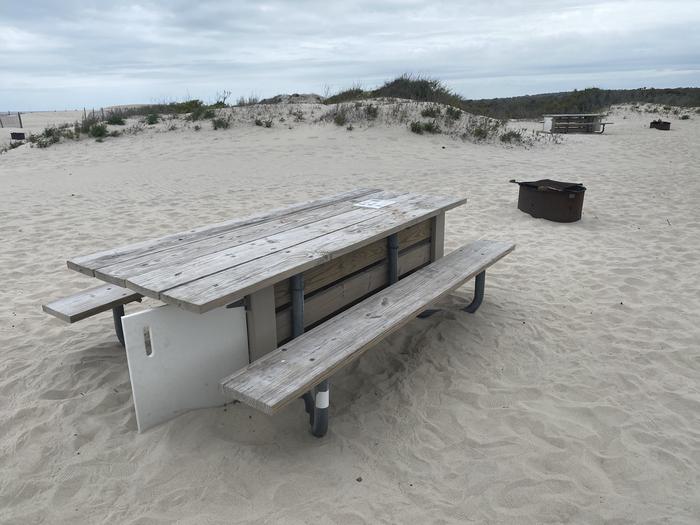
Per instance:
x=571, y=396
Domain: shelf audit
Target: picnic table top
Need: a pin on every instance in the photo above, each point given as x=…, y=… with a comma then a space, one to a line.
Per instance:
x=211, y=266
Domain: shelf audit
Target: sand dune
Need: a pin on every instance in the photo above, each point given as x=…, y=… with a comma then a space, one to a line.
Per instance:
x=572, y=395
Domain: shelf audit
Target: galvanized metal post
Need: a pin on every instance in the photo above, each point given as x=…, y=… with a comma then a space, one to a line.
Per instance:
x=393, y=256
x=297, y=290
x=316, y=404
x=319, y=425
x=117, y=314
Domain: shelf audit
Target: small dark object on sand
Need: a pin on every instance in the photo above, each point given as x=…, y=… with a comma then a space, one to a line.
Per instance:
x=660, y=124
x=17, y=136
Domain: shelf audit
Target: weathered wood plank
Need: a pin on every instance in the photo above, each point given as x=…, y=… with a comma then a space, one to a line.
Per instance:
x=87, y=264
x=352, y=262
x=437, y=237
x=90, y=302
x=284, y=374
x=166, y=277
x=230, y=285
x=334, y=298
x=261, y=321
x=120, y=272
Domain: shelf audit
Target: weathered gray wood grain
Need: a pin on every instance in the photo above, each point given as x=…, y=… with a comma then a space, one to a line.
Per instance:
x=345, y=292
x=167, y=277
x=87, y=264
x=261, y=322
x=182, y=254
x=229, y=285
x=284, y=374
x=437, y=237
x=352, y=262
x=90, y=302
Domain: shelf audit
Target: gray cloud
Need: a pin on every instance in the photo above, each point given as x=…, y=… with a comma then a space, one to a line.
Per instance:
x=81, y=53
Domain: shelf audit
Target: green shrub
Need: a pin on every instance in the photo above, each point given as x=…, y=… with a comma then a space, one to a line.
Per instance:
x=152, y=118
x=425, y=127
x=354, y=93
x=431, y=127
x=54, y=134
x=372, y=112
x=258, y=122
x=340, y=117
x=50, y=135
x=115, y=119
x=88, y=120
x=221, y=123
x=511, y=136
x=268, y=123
x=197, y=127
x=453, y=113
x=98, y=130
x=418, y=88
x=188, y=106
x=480, y=133
x=201, y=113
x=685, y=117
x=431, y=112
x=298, y=115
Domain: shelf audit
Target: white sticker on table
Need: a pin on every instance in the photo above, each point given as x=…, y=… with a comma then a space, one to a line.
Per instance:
x=374, y=203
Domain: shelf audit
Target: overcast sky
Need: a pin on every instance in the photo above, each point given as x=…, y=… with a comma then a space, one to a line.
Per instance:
x=62, y=54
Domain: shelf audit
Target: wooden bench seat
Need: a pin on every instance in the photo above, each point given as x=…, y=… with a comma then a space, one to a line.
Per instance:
x=292, y=370
x=92, y=301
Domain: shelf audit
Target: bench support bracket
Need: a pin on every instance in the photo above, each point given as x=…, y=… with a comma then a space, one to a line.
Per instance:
x=479, y=286
x=117, y=314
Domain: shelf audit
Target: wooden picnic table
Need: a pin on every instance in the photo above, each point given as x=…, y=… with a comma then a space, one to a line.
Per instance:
x=213, y=266
x=266, y=308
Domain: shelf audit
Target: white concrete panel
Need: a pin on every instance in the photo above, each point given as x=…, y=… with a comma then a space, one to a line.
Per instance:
x=187, y=356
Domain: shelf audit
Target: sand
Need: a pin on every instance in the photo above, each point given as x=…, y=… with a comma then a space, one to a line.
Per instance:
x=571, y=396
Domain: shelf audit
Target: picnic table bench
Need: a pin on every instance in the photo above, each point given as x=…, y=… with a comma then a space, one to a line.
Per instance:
x=265, y=309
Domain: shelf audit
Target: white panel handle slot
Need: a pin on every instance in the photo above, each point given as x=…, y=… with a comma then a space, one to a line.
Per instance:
x=147, y=340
